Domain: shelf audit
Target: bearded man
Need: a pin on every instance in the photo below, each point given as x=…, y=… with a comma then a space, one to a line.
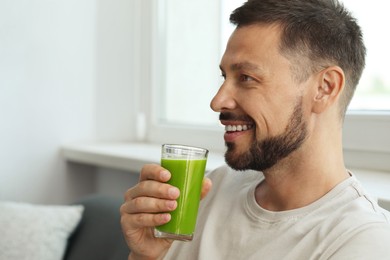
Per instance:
x=290, y=70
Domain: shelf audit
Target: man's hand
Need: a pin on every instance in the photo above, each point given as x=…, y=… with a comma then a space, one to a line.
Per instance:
x=147, y=205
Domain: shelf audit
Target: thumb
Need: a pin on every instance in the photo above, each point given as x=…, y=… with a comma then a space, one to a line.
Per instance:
x=206, y=187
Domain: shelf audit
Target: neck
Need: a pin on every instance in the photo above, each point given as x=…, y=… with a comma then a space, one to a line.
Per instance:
x=302, y=178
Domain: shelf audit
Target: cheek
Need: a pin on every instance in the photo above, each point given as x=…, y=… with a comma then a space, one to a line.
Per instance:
x=269, y=115
x=271, y=112
x=272, y=121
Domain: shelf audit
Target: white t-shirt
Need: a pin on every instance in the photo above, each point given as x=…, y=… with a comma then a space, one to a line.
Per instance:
x=344, y=224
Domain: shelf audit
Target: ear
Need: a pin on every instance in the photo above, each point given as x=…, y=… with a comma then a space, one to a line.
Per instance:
x=331, y=83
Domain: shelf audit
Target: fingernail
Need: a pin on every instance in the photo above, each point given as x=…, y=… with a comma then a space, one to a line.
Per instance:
x=171, y=204
x=165, y=217
x=165, y=175
x=173, y=192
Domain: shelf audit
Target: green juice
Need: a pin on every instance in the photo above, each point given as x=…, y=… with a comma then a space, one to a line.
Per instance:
x=184, y=216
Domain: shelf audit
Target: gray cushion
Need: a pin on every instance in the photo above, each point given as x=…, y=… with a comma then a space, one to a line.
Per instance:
x=99, y=234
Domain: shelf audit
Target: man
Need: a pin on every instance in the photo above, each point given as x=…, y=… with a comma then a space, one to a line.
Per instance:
x=290, y=69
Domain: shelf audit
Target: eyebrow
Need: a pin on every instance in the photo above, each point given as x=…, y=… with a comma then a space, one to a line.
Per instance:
x=244, y=66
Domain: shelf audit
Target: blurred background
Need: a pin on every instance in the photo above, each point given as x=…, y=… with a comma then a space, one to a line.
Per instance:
x=66, y=74
x=137, y=71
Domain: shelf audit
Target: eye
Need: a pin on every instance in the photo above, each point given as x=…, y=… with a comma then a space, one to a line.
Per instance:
x=244, y=77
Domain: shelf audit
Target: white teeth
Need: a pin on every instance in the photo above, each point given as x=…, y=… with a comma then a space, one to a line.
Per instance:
x=237, y=128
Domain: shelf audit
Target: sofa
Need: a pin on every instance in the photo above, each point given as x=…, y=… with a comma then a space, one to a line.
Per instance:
x=87, y=229
x=98, y=235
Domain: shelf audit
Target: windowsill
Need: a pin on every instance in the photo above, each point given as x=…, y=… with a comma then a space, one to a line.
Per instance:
x=132, y=156
x=124, y=156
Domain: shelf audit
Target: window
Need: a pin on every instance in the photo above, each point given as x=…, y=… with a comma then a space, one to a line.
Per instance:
x=373, y=92
x=187, y=51
x=190, y=62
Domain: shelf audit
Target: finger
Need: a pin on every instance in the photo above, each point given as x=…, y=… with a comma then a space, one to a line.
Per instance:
x=143, y=220
x=154, y=172
x=148, y=205
x=153, y=189
x=206, y=187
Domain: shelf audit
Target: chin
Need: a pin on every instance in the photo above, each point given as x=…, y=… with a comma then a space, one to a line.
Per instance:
x=235, y=159
x=253, y=158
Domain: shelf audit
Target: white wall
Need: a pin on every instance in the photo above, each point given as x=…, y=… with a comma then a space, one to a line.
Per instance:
x=114, y=67
x=63, y=64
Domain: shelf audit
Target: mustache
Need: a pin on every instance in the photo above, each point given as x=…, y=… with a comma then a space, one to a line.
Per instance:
x=234, y=117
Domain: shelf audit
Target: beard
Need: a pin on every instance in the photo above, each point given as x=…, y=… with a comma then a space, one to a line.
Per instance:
x=264, y=154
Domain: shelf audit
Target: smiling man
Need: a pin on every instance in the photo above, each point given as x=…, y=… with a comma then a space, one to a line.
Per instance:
x=258, y=78
x=290, y=70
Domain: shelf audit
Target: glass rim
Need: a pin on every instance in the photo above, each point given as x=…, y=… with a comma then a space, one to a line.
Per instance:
x=184, y=146
x=180, y=151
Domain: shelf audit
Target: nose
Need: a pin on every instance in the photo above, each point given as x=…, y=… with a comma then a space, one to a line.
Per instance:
x=223, y=100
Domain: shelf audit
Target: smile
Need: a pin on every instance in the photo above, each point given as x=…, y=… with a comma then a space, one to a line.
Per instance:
x=237, y=128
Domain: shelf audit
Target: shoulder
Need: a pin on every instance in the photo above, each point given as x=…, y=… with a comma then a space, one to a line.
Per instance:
x=370, y=241
x=359, y=226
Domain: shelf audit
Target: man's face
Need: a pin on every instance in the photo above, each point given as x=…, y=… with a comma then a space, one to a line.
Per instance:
x=260, y=103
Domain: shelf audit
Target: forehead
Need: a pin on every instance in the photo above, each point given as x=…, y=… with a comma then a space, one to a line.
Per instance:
x=254, y=44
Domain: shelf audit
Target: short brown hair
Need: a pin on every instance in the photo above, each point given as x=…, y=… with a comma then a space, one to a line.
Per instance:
x=321, y=32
